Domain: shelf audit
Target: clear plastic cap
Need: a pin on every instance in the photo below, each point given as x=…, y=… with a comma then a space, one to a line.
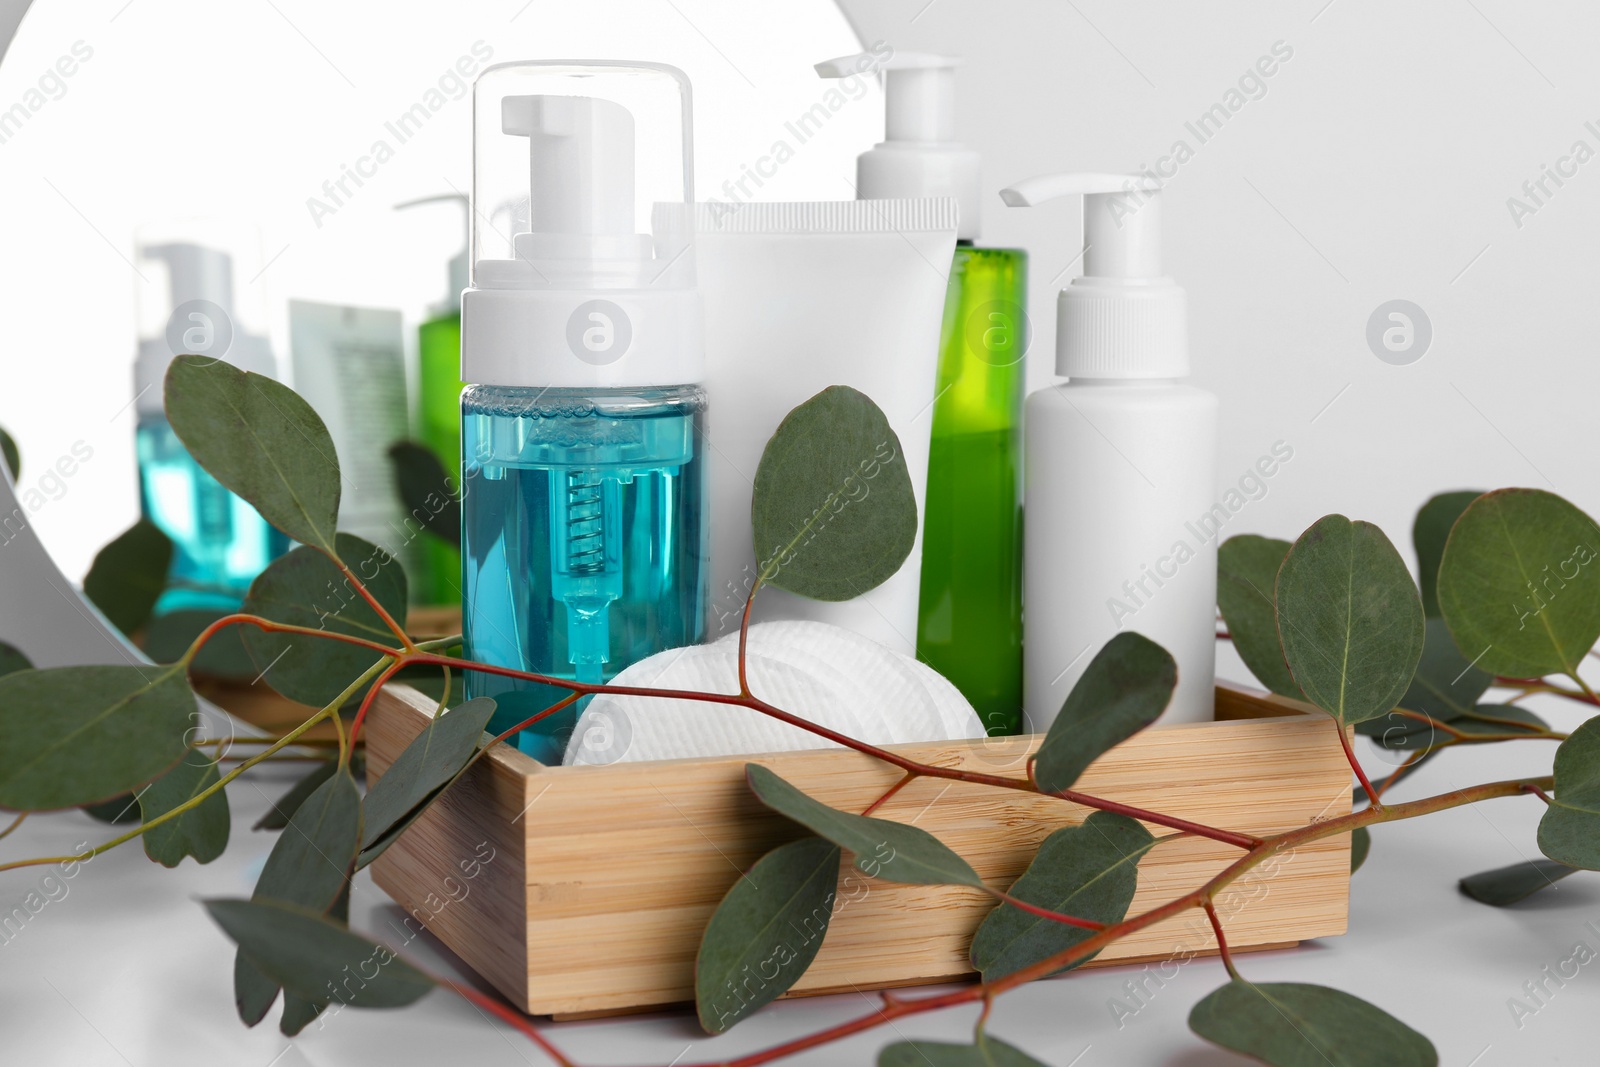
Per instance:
x=571, y=161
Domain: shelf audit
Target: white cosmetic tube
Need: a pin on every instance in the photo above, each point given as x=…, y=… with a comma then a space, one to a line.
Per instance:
x=798, y=297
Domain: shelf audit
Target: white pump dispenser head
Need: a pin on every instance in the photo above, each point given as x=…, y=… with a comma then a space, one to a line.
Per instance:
x=1123, y=318
x=919, y=155
x=580, y=182
x=458, y=268
x=582, y=248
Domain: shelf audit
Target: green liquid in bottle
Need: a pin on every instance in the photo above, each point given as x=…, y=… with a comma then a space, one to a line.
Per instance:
x=439, y=388
x=969, y=625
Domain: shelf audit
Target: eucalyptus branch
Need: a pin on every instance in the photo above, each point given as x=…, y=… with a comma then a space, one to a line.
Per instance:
x=200, y=797
x=1540, y=687
x=898, y=1008
x=1044, y=913
x=506, y=1013
x=744, y=636
x=372, y=602
x=1238, y=840
x=14, y=824
x=1222, y=941
x=1587, y=692
x=1355, y=765
x=242, y=619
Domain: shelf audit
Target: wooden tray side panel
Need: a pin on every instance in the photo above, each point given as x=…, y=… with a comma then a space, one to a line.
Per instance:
x=625, y=864
x=460, y=869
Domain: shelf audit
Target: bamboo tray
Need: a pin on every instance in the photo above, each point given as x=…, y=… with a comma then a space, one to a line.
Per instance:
x=581, y=891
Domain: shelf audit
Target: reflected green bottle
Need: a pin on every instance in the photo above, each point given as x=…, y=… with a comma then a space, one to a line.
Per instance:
x=439, y=388
x=439, y=385
x=969, y=625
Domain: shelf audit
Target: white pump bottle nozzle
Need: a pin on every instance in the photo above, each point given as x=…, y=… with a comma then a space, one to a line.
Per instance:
x=195, y=272
x=1123, y=318
x=201, y=301
x=919, y=155
x=458, y=269
x=580, y=179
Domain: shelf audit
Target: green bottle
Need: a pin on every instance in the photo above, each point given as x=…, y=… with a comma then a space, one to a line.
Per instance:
x=969, y=618
x=969, y=625
x=438, y=416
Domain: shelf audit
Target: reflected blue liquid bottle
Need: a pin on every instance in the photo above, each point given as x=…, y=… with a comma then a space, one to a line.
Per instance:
x=220, y=543
x=583, y=540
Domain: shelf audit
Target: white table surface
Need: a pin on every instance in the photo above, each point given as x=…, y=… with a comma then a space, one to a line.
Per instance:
x=125, y=968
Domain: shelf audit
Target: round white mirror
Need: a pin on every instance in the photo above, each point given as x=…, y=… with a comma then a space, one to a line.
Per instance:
x=299, y=127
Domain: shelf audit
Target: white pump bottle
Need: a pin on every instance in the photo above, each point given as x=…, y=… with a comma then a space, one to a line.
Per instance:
x=1120, y=462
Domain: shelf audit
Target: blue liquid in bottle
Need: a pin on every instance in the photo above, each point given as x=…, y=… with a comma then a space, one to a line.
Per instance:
x=220, y=543
x=583, y=540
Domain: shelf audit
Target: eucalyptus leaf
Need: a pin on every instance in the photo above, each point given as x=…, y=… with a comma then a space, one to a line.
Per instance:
x=168, y=636
x=70, y=736
x=422, y=770
x=987, y=1052
x=316, y=958
x=12, y=457
x=834, y=513
x=298, y=1013
x=12, y=660
x=305, y=588
x=892, y=851
x=1569, y=831
x=260, y=439
x=1360, y=847
x=429, y=493
x=1089, y=871
x=283, y=809
x=253, y=992
x=1247, y=574
x=1428, y=536
x=312, y=859
x=1446, y=684
x=118, y=811
x=1519, y=585
x=1499, y=719
x=1125, y=688
x=1507, y=885
x=128, y=575
x=1350, y=619
x=1292, y=1024
x=309, y=868
x=770, y=924
x=201, y=832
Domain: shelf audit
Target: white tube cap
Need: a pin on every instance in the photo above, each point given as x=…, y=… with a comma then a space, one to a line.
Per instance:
x=919, y=155
x=1123, y=318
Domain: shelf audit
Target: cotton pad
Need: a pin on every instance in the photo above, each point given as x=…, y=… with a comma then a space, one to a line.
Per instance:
x=820, y=672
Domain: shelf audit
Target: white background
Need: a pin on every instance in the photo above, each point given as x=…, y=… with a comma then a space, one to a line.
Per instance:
x=1376, y=167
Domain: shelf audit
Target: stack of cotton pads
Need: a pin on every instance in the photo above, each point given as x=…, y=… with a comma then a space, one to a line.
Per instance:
x=823, y=673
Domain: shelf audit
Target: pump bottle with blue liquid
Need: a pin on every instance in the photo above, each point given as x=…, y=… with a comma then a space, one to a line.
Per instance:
x=584, y=539
x=220, y=543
